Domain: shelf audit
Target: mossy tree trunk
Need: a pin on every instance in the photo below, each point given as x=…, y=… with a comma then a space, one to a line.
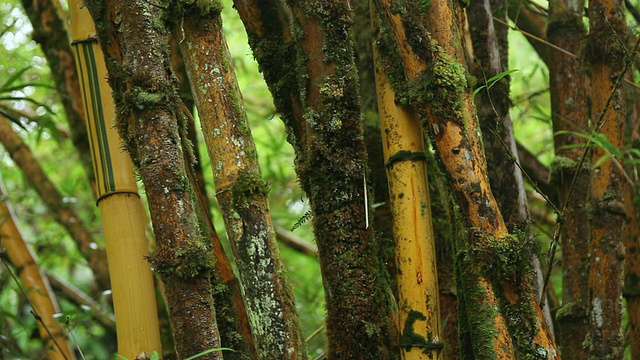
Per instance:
x=382, y=218
x=569, y=173
x=495, y=282
x=605, y=54
x=240, y=189
x=490, y=50
x=231, y=314
x=133, y=36
x=318, y=98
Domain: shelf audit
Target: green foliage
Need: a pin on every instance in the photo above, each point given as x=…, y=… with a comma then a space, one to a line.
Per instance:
x=600, y=140
x=493, y=80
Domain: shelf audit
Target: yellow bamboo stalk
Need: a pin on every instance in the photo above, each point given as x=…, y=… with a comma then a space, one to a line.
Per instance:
x=404, y=154
x=34, y=282
x=123, y=216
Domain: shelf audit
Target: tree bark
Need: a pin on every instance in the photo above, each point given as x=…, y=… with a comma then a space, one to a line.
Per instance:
x=240, y=189
x=567, y=80
x=133, y=37
x=490, y=48
x=606, y=57
x=494, y=276
x=415, y=253
x=631, y=291
x=317, y=97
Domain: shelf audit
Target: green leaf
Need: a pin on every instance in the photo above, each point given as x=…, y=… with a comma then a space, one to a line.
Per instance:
x=601, y=160
x=7, y=84
x=492, y=80
x=604, y=143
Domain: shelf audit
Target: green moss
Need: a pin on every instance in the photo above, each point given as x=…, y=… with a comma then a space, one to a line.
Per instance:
x=190, y=260
x=410, y=339
x=572, y=310
x=424, y=6
x=144, y=100
x=562, y=168
x=507, y=258
x=247, y=185
x=480, y=315
x=206, y=6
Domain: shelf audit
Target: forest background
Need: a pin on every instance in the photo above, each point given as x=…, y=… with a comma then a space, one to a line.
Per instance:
x=44, y=129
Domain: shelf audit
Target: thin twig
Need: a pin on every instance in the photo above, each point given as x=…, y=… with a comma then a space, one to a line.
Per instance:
x=314, y=334
x=73, y=337
x=534, y=37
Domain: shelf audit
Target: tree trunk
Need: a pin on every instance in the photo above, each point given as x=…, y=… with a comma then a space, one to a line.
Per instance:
x=490, y=48
x=405, y=159
x=319, y=103
x=631, y=291
x=132, y=36
x=240, y=189
x=123, y=217
x=606, y=57
x=567, y=81
x=494, y=266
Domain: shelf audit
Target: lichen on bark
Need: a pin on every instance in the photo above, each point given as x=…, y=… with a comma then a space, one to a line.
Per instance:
x=136, y=52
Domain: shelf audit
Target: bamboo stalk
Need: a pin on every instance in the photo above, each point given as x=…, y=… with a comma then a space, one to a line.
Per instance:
x=404, y=155
x=438, y=89
x=120, y=206
x=36, y=286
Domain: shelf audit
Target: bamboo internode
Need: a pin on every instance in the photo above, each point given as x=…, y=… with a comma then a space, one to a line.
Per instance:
x=122, y=213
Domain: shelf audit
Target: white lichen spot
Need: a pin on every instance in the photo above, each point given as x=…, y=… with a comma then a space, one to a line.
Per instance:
x=597, y=312
x=180, y=207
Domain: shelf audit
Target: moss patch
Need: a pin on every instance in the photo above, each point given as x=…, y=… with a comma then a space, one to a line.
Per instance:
x=410, y=339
